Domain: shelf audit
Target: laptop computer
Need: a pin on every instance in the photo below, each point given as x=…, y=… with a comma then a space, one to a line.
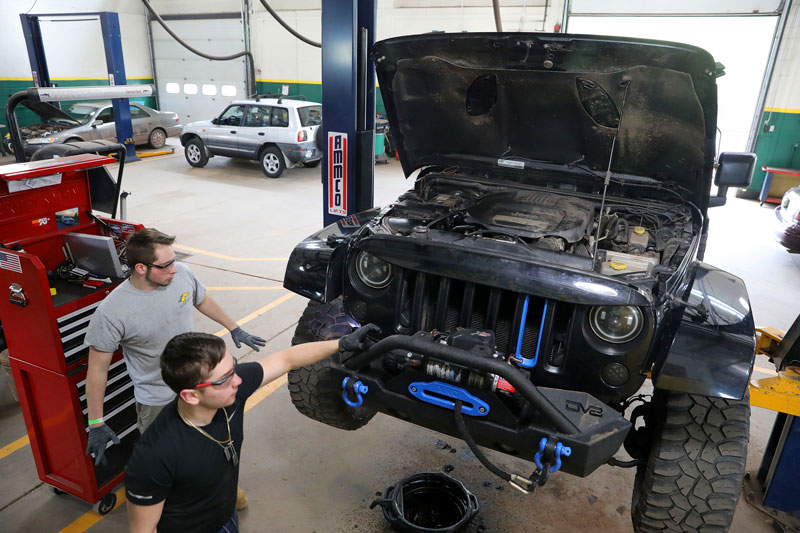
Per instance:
x=95, y=253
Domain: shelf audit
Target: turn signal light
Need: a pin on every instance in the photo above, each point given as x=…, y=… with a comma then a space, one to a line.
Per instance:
x=301, y=136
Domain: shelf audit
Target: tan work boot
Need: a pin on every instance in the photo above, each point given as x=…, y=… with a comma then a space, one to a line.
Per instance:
x=241, y=499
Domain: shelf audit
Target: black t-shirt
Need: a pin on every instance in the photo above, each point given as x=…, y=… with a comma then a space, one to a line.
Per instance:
x=174, y=462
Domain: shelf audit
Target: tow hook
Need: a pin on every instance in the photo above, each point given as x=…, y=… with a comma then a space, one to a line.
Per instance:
x=352, y=387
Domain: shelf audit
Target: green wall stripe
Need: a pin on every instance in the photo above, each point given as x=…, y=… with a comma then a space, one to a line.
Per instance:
x=779, y=147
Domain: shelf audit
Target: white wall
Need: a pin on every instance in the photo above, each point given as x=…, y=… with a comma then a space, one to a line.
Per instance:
x=784, y=92
x=73, y=49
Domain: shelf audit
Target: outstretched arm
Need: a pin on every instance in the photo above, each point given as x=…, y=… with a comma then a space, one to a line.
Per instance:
x=212, y=310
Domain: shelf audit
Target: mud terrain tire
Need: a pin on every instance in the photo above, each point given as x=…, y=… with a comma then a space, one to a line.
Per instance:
x=313, y=390
x=693, y=475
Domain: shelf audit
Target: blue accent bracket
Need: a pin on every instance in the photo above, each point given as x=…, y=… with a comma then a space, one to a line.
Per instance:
x=359, y=389
x=518, y=358
x=560, y=450
x=440, y=393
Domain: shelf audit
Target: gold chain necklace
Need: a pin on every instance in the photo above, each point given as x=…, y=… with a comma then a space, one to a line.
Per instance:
x=226, y=445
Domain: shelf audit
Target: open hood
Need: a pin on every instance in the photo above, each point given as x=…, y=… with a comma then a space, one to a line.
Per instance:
x=552, y=98
x=48, y=112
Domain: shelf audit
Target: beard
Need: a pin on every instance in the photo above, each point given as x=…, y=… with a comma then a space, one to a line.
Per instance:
x=154, y=282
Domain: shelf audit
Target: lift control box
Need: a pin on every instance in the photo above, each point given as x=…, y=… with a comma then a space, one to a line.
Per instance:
x=45, y=312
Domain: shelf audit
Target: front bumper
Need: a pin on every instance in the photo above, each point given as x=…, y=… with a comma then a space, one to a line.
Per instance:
x=592, y=429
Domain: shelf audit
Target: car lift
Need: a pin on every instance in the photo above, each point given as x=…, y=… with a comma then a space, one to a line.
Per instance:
x=776, y=486
x=112, y=42
x=348, y=101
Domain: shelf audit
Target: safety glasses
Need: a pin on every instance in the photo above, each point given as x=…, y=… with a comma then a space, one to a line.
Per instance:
x=161, y=267
x=221, y=381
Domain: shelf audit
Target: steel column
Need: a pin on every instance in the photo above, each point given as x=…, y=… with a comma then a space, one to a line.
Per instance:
x=112, y=43
x=348, y=101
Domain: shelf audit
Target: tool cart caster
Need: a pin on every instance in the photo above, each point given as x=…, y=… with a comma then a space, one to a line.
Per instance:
x=57, y=491
x=106, y=505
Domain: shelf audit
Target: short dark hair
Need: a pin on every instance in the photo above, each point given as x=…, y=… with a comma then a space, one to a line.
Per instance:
x=141, y=247
x=189, y=358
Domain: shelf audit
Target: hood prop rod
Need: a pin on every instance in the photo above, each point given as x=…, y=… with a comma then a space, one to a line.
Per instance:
x=607, y=180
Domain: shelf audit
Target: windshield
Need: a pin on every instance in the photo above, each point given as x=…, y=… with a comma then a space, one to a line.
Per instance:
x=310, y=116
x=81, y=112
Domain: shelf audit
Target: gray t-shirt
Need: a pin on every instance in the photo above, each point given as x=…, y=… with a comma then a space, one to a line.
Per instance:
x=143, y=322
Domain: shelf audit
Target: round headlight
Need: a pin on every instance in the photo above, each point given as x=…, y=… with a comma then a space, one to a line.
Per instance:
x=616, y=323
x=374, y=272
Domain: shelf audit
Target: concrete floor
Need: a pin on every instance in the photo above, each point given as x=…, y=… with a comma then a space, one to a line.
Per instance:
x=299, y=475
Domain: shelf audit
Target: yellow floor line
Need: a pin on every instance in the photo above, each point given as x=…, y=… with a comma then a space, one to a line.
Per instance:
x=263, y=392
x=90, y=518
x=14, y=446
x=228, y=257
x=258, y=313
x=266, y=288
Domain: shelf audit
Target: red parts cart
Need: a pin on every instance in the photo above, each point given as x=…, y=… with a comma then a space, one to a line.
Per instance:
x=44, y=318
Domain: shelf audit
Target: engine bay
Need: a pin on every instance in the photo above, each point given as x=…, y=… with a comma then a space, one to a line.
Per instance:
x=635, y=238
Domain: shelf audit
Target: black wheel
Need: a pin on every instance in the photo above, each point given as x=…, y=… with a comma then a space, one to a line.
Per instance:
x=313, y=390
x=697, y=460
x=322, y=146
x=195, y=153
x=312, y=164
x=158, y=138
x=57, y=491
x=272, y=163
x=106, y=505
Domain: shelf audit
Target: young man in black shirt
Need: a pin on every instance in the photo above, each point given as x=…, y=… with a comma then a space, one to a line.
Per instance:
x=184, y=470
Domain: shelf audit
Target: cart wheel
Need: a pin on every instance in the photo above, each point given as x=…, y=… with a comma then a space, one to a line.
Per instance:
x=57, y=491
x=106, y=505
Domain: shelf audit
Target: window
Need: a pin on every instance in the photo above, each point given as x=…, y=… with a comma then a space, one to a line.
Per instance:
x=189, y=88
x=138, y=112
x=209, y=89
x=310, y=116
x=257, y=116
x=173, y=88
x=232, y=116
x=106, y=115
x=228, y=90
x=280, y=117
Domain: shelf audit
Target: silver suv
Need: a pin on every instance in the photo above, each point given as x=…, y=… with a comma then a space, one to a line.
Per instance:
x=273, y=131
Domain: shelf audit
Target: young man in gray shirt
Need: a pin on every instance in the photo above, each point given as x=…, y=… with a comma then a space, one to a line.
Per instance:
x=142, y=314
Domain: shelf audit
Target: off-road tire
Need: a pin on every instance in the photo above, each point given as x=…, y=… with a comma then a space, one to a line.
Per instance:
x=697, y=460
x=314, y=392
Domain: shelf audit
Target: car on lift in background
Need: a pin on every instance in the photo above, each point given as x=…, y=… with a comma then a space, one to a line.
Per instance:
x=546, y=263
x=269, y=130
x=91, y=121
x=788, y=226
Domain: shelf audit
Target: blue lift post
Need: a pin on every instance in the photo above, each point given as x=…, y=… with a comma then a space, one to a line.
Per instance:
x=112, y=42
x=348, y=102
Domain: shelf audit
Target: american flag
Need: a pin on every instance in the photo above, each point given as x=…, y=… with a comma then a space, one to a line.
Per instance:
x=10, y=262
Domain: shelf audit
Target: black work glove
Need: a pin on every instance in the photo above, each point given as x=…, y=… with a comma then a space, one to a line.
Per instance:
x=240, y=336
x=354, y=342
x=98, y=440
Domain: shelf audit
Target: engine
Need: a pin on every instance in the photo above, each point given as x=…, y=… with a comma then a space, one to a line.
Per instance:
x=631, y=238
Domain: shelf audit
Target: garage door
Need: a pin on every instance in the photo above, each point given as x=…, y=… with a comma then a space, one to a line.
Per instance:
x=194, y=87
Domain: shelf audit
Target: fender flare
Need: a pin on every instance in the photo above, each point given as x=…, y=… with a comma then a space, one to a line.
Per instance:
x=714, y=349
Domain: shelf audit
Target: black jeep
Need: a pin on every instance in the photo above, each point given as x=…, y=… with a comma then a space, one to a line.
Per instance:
x=545, y=264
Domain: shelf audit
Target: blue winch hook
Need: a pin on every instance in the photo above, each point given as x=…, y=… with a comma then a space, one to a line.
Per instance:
x=358, y=389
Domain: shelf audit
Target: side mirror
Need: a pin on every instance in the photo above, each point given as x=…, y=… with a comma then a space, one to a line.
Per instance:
x=97, y=123
x=734, y=169
x=215, y=121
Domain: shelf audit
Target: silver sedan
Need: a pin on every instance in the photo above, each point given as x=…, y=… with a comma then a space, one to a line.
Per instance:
x=88, y=121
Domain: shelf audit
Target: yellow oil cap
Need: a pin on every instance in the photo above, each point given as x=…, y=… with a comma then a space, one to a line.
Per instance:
x=638, y=230
x=618, y=265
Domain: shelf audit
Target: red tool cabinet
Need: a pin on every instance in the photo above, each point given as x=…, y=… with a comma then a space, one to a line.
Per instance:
x=44, y=320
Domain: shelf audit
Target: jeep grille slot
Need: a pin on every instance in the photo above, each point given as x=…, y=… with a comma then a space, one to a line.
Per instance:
x=444, y=304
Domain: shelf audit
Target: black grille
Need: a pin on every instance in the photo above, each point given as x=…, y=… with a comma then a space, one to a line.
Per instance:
x=443, y=304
